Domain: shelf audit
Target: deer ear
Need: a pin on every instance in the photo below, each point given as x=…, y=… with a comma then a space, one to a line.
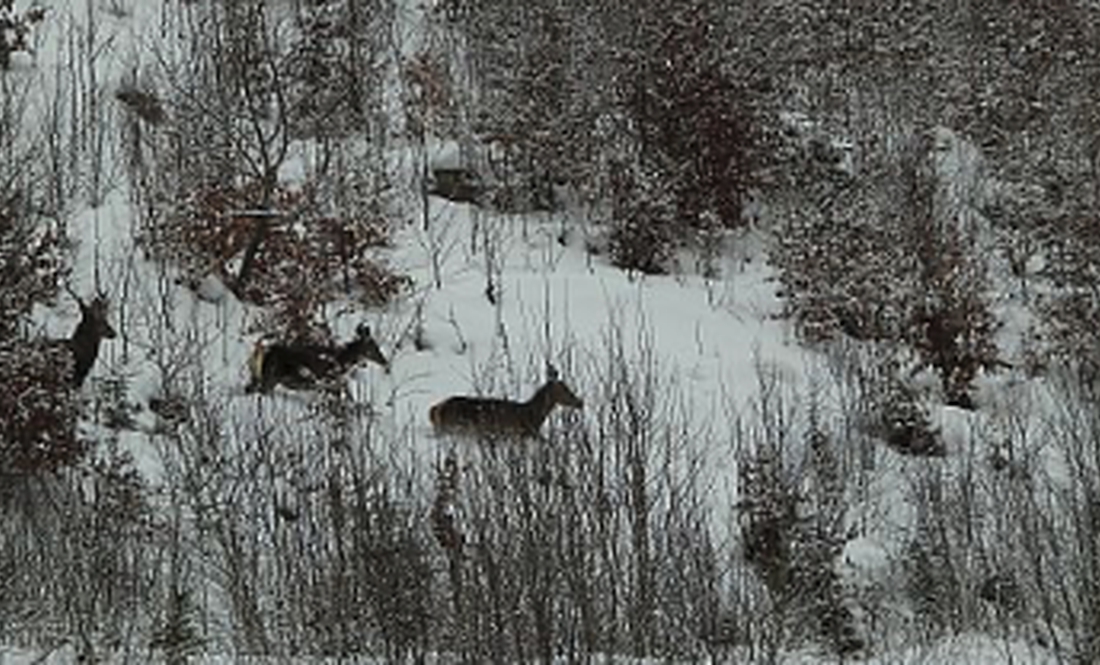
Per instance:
x=551, y=372
x=78, y=299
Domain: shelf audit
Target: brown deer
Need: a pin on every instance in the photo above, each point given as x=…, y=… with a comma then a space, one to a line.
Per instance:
x=92, y=329
x=494, y=417
x=300, y=366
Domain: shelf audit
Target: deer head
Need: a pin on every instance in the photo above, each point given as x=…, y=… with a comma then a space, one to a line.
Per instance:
x=363, y=347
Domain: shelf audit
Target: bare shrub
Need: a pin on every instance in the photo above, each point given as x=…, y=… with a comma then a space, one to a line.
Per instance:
x=791, y=536
x=704, y=129
x=1062, y=566
x=594, y=537
x=81, y=537
x=324, y=70
x=932, y=584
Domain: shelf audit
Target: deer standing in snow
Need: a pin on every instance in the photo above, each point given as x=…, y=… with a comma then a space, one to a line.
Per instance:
x=494, y=417
x=92, y=329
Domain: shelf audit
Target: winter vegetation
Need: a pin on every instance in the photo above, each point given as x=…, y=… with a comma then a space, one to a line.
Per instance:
x=490, y=331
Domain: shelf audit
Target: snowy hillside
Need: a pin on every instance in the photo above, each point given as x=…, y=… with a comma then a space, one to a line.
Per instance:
x=821, y=418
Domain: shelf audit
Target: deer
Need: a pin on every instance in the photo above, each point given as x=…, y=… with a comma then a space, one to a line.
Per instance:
x=92, y=329
x=299, y=366
x=495, y=417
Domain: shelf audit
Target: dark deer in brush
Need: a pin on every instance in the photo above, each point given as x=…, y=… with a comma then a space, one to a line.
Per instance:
x=494, y=418
x=92, y=329
x=300, y=366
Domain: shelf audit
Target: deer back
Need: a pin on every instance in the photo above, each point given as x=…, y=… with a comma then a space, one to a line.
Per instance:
x=474, y=415
x=294, y=366
x=300, y=365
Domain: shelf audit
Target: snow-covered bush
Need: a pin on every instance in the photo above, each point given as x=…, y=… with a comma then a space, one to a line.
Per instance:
x=901, y=421
x=32, y=261
x=704, y=130
x=38, y=431
x=14, y=29
x=642, y=236
x=429, y=90
x=953, y=326
x=844, y=268
x=1069, y=313
x=875, y=261
x=327, y=71
x=519, y=60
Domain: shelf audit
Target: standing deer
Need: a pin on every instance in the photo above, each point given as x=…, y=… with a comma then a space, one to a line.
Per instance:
x=92, y=329
x=496, y=417
x=300, y=366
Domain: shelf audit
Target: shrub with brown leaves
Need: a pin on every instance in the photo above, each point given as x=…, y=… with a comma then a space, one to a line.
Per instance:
x=299, y=257
x=38, y=431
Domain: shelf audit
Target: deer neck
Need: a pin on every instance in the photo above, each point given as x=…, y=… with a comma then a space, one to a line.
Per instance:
x=85, y=348
x=85, y=340
x=539, y=406
x=349, y=353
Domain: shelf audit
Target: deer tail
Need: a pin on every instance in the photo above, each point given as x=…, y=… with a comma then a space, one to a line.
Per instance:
x=256, y=362
x=435, y=414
